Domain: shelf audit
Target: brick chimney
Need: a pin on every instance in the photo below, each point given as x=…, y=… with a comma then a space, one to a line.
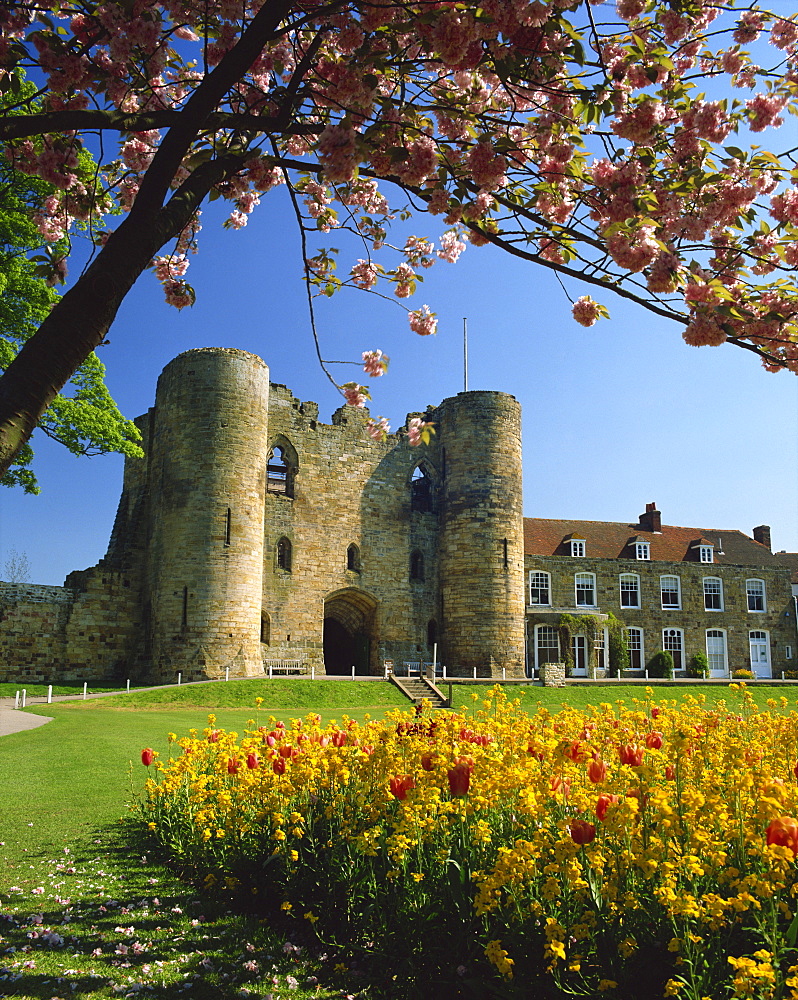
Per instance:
x=652, y=519
x=762, y=535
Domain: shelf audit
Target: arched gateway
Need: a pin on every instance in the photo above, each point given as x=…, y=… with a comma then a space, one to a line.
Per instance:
x=349, y=631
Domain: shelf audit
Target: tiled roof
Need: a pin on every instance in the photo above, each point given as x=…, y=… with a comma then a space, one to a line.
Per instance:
x=612, y=540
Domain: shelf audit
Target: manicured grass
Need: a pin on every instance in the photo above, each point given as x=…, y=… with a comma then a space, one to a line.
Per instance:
x=9, y=688
x=278, y=694
x=771, y=698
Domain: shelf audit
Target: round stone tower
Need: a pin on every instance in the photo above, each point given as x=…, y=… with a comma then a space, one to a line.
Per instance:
x=207, y=456
x=482, y=534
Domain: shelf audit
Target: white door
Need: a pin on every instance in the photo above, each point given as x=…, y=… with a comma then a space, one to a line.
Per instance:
x=579, y=651
x=760, y=654
x=716, y=652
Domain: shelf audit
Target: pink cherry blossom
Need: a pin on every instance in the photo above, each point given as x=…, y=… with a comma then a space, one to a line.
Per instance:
x=375, y=363
x=355, y=395
x=423, y=321
x=585, y=311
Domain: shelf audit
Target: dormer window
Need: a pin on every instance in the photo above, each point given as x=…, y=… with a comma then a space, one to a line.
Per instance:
x=578, y=547
x=706, y=553
x=642, y=550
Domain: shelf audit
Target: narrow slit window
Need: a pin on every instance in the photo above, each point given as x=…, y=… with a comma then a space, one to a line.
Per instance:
x=284, y=555
x=227, y=526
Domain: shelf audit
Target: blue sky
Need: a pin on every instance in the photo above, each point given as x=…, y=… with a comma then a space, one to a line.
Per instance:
x=614, y=416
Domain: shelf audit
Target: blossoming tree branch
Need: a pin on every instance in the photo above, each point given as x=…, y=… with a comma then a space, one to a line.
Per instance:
x=613, y=144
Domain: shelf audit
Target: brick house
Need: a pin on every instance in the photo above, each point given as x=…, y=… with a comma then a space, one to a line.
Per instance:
x=685, y=590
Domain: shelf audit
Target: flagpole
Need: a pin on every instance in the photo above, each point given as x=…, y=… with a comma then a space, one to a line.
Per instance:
x=465, y=354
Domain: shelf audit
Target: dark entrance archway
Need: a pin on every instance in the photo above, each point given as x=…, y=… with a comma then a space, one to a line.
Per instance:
x=349, y=632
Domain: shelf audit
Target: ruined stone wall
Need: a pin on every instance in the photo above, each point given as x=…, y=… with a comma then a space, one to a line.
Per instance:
x=348, y=490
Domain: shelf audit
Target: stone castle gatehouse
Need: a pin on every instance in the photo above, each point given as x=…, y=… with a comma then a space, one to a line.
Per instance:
x=252, y=533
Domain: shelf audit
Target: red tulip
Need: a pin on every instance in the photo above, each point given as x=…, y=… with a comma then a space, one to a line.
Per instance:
x=147, y=757
x=401, y=786
x=233, y=765
x=428, y=761
x=783, y=831
x=655, y=712
x=535, y=752
x=582, y=832
x=603, y=803
x=339, y=739
x=252, y=761
x=278, y=765
x=670, y=772
x=654, y=740
x=795, y=770
x=631, y=754
x=460, y=776
x=213, y=736
x=597, y=770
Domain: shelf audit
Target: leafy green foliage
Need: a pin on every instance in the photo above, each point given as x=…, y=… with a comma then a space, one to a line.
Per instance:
x=698, y=665
x=84, y=417
x=661, y=664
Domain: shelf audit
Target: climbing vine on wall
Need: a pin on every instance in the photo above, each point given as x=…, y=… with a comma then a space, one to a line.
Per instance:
x=591, y=626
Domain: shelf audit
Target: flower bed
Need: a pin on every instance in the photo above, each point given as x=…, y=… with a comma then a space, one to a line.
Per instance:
x=634, y=851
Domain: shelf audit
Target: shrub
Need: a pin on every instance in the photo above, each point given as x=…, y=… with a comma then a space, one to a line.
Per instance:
x=661, y=664
x=698, y=665
x=743, y=674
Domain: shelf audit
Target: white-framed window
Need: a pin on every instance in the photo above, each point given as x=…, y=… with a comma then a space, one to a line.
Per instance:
x=673, y=643
x=671, y=592
x=788, y=652
x=642, y=550
x=539, y=587
x=547, y=645
x=578, y=547
x=630, y=590
x=585, y=586
x=706, y=553
x=634, y=644
x=716, y=652
x=755, y=594
x=713, y=593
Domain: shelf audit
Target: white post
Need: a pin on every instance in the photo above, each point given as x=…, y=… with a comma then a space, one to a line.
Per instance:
x=475, y=673
x=24, y=696
x=504, y=673
x=313, y=671
x=353, y=671
x=782, y=675
x=128, y=685
x=179, y=677
x=444, y=671
x=16, y=700
x=85, y=689
x=271, y=668
x=227, y=673
x=434, y=660
x=646, y=673
x=49, y=694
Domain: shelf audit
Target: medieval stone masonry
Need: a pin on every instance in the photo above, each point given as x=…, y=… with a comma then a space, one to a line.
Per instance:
x=253, y=538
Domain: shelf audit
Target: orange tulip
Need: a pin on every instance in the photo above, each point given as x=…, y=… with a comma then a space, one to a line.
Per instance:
x=603, y=803
x=654, y=740
x=597, y=770
x=401, y=786
x=460, y=777
x=631, y=754
x=783, y=831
